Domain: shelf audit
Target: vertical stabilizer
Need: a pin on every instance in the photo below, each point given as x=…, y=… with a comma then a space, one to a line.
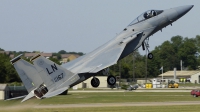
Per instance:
x=27, y=73
x=53, y=74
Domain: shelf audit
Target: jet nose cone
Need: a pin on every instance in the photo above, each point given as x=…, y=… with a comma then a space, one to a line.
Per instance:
x=182, y=10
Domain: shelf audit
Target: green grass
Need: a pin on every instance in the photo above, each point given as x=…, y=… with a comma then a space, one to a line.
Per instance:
x=194, y=108
x=76, y=98
x=81, y=98
x=185, y=108
x=119, y=97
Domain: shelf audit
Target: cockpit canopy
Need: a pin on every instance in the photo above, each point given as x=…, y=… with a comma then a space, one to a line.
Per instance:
x=146, y=15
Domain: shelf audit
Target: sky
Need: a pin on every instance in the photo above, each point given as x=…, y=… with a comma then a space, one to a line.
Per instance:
x=83, y=25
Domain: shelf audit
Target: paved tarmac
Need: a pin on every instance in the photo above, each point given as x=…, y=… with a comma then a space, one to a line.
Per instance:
x=120, y=104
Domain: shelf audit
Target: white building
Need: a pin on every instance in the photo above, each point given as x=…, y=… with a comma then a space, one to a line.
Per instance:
x=87, y=83
x=4, y=91
x=193, y=76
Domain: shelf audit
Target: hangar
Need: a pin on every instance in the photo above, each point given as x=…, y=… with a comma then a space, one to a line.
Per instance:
x=86, y=83
x=4, y=90
x=190, y=76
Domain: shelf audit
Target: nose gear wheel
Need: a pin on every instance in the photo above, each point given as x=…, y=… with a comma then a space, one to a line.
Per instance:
x=145, y=44
x=150, y=56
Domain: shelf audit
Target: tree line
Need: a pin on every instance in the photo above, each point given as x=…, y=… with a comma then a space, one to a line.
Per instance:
x=7, y=72
x=168, y=55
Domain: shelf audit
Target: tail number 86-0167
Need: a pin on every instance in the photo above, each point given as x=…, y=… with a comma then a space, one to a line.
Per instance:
x=59, y=77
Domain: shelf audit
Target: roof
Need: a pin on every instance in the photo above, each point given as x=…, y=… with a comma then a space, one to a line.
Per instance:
x=12, y=56
x=6, y=52
x=3, y=86
x=76, y=55
x=179, y=73
x=67, y=55
x=55, y=57
x=33, y=54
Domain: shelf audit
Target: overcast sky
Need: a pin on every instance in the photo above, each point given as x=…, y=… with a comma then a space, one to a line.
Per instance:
x=83, y=25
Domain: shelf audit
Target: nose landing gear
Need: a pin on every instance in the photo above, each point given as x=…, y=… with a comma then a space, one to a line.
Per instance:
x=145, y=44
x=150, y=56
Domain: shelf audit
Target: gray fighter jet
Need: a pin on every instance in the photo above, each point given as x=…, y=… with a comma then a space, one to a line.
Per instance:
x=44, y=78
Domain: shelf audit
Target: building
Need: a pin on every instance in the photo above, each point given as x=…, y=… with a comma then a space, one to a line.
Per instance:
x=188, y=76
x=6, y=52
x=4, y=90
x=87, y=83
x=68, y=57
x=12, y=56
x=30, y=55
x=55, y=57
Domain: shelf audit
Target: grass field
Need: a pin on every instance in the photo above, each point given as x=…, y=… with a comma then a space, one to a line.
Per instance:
x=186, y=108
x=84, y=98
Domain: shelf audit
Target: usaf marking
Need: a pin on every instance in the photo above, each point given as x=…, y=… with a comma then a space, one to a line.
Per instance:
x=54, y=67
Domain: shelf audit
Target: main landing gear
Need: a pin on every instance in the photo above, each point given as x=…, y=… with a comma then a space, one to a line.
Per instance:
x=95, y=82
x=145, y=44
x=111, y=80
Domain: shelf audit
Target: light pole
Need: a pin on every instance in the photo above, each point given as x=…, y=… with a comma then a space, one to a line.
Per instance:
x=133, y=67
x=146, y=67
x=119, y=72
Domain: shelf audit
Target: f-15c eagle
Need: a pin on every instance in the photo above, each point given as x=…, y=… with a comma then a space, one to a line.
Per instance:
x=45, y=78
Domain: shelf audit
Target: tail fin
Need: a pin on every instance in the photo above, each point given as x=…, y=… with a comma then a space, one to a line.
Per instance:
x=27, y=72
x=30, y=95
x=52, y=74
x=44, y=78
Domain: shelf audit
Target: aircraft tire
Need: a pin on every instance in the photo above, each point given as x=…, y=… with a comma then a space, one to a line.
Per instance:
x=150, y=56
x=111, y=80
x=95, y=82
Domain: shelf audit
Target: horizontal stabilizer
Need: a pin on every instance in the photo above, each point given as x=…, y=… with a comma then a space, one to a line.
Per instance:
x=16, y=97
x=16, y=59
x=30, y=95
x=54, y=93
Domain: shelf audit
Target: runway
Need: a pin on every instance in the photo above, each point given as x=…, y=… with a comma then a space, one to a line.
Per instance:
x=115, y=104
x=120, y=104
x=138, y=90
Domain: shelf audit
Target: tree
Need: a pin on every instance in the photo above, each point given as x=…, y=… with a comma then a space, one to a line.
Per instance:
x=62, y=52
x=7, y=71
x=1, y=49
x=187, y=53
x=127, y=66
x=169, y=54
x=55, y=61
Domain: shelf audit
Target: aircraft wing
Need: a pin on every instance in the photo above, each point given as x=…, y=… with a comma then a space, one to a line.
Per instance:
x=102, y=57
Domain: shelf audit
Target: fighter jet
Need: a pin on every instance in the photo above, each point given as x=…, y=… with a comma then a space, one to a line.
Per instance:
x=45, y=78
